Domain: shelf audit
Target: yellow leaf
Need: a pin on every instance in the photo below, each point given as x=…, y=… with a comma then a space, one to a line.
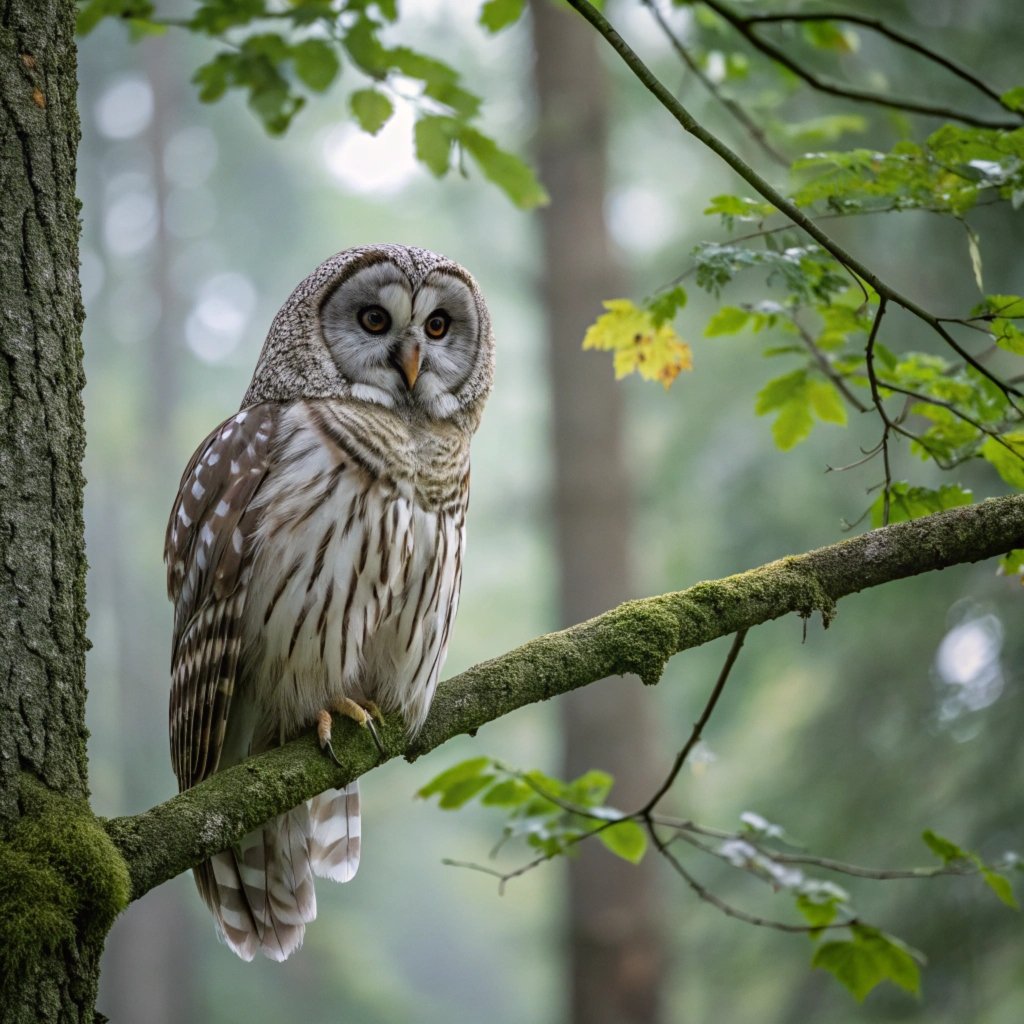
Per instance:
x=655, y=352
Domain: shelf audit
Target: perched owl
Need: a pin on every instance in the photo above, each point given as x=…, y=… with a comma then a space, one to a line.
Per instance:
x=314, y=555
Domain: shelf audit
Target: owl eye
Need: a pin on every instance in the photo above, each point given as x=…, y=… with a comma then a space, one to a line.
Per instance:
x=374, y=319
x=437, y=324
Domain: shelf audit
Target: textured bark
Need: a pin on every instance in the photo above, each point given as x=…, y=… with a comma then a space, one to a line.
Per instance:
x=613, y=937
x=637, y=637
x=42, y=559
x=57, y=870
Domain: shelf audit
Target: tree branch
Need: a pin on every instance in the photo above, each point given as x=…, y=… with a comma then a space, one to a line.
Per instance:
x=637, y=637
x=764, y=188
x=743, y=27
x=879, y=26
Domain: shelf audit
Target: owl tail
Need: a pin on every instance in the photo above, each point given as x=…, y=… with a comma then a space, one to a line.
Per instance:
x=334, y=846
x=261, y=891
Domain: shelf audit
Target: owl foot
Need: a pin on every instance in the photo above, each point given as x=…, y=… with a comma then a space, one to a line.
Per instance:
x=362, y=714
x=323, y=734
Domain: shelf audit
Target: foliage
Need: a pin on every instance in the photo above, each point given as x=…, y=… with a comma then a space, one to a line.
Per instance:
x=279, y=55
x=951, y=406
x=553, y=817
x=641, y=338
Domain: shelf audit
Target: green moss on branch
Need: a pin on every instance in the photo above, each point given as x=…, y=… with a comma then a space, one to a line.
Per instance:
x=637, y=637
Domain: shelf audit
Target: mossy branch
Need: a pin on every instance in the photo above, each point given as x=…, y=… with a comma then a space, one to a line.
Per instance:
x=636, y=637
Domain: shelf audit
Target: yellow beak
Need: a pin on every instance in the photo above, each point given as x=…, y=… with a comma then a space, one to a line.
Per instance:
x=411, y=365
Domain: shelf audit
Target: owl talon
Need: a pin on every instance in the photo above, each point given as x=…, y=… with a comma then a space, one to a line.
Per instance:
x=323, y=734
x=363, y=715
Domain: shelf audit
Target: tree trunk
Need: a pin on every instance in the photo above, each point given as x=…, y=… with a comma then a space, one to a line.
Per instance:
x=61, y=882
x=615, y=947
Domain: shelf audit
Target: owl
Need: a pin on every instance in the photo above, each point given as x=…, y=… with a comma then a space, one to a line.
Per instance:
x=314, y=555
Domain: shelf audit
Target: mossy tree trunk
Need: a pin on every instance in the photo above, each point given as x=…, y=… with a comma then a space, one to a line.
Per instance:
x=56, y=865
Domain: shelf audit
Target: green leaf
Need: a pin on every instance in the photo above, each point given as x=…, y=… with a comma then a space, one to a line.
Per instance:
x=473, y=768
x=440, y=82
x=508, y=793
x=792, y=425
x=462, y=792
x=1002, y=305
x=665, y=305
x=868, y=959
x=626, y=839
x=214, y=17
x=781, y=390
x=1012, y=564
x=727, y=320
x=731, y=208
x=1008, y=335
x=1014, y=98
x=906, y=502
x=945, y=849
x=433, y=136
x=372, y=109
x=826, y=401
x=828, y=35
x=93, y=12
x=498, y=14
x=1000, y=885
x=316, y=63
x=1008, y=462
x=507, y=171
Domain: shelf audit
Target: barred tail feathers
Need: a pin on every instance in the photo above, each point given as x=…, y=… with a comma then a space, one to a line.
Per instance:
x=261, y=891
x=334, y=846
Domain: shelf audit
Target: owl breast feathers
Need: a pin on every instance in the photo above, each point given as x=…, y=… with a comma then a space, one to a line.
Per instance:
x=314, y=554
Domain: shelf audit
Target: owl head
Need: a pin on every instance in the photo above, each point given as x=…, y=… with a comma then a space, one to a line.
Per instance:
x=389, y=324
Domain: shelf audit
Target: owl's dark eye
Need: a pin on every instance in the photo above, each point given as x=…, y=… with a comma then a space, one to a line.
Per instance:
x=374, y=319
x=437, y=324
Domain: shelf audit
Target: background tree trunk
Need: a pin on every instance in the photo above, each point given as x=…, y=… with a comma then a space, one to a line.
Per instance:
x=615, y=946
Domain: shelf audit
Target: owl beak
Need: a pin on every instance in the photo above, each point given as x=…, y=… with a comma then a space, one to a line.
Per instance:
x=411, y=365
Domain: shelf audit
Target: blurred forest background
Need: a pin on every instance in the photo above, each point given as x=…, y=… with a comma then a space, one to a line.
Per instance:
x=907, y=714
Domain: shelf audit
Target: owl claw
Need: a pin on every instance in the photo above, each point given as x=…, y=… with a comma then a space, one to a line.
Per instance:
x=323, y=734
x=362, y=714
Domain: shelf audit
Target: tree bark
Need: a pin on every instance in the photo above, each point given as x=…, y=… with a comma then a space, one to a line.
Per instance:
x=61, y=881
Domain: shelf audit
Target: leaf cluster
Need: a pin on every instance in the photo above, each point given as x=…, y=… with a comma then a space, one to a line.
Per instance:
x=549, y=815
x=277, y=55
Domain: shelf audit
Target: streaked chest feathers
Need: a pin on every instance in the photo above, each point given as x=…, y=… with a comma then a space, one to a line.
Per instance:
x=356, y=567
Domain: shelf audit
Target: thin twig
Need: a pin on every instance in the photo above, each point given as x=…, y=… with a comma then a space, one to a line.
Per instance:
x=698, y=726
x=727, y=908
x=959, y=413
x=826, y=863
x=876, y=25
x=743, y=26
x=752, y=128
x=887, y=424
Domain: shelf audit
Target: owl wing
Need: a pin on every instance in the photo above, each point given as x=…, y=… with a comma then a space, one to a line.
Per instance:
x=208, y=551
